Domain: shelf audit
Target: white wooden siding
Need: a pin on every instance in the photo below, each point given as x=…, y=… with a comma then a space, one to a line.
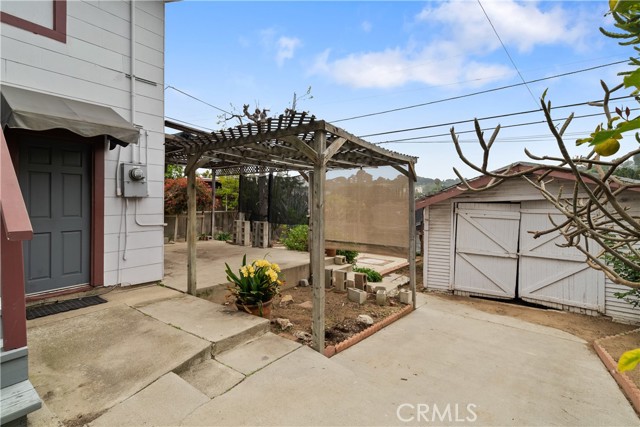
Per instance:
x=618, y=309
x=486, y=261
x=553, y=274
x=91, y=67
x=437, y=268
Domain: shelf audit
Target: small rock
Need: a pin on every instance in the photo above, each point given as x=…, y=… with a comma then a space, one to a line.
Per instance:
x=286, y=300
x=364, y=319
x=284, y=323
x=307, y=304
x=302, y=336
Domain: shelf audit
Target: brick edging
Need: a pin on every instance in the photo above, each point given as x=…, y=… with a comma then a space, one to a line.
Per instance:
x=343, y=345
x=628, y=387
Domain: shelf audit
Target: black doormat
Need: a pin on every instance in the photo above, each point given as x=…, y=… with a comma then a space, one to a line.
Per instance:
x=62, y=306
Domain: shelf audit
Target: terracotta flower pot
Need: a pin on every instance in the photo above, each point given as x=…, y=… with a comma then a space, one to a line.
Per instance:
x=256, y=310
x=330, y=252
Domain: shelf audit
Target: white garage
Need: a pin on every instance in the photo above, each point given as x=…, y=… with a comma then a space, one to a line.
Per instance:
x=479, y=243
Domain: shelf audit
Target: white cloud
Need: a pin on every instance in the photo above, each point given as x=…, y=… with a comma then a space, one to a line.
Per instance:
x=366, y=26
x=523, y=25
x=464, y=38
x=286, y=48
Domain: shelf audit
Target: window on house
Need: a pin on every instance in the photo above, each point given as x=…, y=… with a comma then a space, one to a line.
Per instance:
x=45, y=17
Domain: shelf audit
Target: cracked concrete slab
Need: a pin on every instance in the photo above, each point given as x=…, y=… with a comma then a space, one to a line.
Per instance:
x=212, y=377
x=258, y=353
x=165, y=402
x=86, y=364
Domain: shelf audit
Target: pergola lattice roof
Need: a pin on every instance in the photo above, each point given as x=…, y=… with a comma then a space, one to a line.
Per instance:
x=277, y=144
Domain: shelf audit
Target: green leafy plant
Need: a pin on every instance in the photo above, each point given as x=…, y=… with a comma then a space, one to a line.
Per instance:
x=255, y=283
x=372, y=275
x=223, y=236
x=296, y=238
x=629, y=360
x=349, y=255
x=175, y=195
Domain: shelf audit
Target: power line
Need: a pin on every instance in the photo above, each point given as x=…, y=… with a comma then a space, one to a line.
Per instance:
x=197, y=99
x=482, y=92
x=414, y=139
x=190, y=124
x=535, y=101
x=499, y=116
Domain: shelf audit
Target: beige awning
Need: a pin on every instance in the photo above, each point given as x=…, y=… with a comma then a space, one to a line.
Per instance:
x=26, y=109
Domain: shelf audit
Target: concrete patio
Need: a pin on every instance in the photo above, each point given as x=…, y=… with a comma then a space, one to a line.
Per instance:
x=154, y=356
x=212, y=256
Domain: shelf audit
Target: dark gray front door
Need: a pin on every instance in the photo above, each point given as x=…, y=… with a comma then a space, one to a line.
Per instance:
x=55, y=182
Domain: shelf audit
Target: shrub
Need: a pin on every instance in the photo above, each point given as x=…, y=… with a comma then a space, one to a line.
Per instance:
x=296, y=238
x=223, y=235
x=175, y=196
x=349, y=255
x=372, y=275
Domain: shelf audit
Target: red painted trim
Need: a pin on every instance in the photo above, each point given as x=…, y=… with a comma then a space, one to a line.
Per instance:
x=14, y=212
x=97, y=216
x=14, y=227
x=58, y=31
x=14, y=321
x=628, y=387
x=68, y=291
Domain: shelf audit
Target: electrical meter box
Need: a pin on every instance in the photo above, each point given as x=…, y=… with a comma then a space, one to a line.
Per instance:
x=134, y=180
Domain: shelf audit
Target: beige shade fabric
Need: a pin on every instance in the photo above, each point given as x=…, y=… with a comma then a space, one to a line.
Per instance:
x=26, y=109
x=367, y=210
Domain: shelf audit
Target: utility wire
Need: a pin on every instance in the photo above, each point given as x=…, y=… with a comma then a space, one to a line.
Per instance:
x=414, y=140
x=482, y=92
x=190, y=124
x=499, y=116
x=535, y=101
x=197, y=99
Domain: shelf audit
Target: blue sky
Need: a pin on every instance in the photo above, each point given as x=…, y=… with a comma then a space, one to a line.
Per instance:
x=366, y=57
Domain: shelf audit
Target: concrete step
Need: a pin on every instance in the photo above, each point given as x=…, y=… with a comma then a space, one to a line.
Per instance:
x=255, y=355
x=223, y=326
x=18, y=400
x=165, y=402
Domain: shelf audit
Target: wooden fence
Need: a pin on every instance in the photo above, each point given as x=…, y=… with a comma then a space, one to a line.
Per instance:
x=176, y=228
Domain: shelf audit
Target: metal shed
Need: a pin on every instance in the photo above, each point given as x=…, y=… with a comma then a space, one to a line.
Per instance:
x=479, y=243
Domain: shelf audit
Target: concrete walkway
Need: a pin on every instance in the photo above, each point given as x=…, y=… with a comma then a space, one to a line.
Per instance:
x=442, y=364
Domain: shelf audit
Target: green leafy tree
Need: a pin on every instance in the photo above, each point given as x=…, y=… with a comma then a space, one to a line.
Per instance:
x=175, y=195
x=229, y=192
x=173, y=171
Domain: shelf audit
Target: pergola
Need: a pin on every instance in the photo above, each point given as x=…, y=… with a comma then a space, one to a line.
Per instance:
x=293, y=142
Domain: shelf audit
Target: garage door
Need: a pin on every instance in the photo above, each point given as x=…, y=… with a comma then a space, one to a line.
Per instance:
x=553, y=275
x=486, y=260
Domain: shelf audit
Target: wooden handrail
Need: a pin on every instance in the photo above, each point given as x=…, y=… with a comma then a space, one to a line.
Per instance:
x=14, y=212
x=15, y=227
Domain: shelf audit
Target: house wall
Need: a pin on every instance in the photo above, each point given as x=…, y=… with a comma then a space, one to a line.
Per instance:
x=91, y=66
x=440, y=238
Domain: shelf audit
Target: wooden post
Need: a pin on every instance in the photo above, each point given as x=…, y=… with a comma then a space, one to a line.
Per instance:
x=317, y=257
x=192, y=167
x=412, y=235
x=191, y=231
x=310, y=222
x=213, y=203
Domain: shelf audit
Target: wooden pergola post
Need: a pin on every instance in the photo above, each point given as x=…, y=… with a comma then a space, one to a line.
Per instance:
x=412, y=234
x=317, y=239
x=192, y=165
x=213, y=203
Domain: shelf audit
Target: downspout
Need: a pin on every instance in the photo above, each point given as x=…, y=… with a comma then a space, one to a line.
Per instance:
x=132, y=68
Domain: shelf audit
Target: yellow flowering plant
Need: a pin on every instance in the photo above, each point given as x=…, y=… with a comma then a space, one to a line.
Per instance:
x=255, y=283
